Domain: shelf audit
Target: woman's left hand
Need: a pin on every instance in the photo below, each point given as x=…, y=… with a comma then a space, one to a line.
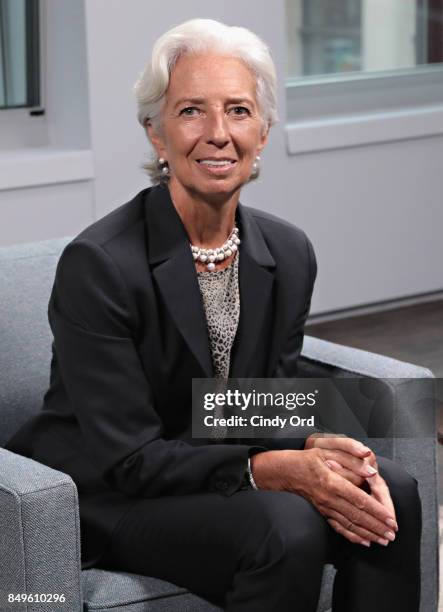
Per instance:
x=379, y=490
x=346, y=456
x=357, y=464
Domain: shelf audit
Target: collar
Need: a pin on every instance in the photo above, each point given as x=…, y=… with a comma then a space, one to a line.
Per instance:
x=167, y=236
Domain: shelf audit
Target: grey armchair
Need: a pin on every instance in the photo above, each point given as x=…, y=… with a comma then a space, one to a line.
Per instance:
x=39, y=521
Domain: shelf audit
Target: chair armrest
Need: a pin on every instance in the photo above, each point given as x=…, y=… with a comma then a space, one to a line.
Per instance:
x=356, y=361
x=407, y=386
x=39, y=534
x=407, y=391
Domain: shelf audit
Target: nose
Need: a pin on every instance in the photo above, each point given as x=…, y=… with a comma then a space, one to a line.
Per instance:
x=217, y=129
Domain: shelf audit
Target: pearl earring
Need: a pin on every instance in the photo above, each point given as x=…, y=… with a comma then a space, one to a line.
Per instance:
x=255, y=167
x=165, y=168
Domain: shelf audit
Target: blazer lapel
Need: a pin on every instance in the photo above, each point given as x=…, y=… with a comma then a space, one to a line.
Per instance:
x=173, y=268
x=256, y=279
x=174, y=271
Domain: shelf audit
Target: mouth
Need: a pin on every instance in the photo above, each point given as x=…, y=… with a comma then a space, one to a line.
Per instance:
x=217, y=165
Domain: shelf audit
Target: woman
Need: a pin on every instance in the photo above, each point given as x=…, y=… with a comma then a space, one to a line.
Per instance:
x=184, y=282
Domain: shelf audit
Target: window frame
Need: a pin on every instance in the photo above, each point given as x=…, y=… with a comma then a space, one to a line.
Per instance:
x=32, y=58
x=334, y=112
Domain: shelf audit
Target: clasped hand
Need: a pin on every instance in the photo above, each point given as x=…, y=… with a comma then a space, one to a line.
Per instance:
x=329, y=473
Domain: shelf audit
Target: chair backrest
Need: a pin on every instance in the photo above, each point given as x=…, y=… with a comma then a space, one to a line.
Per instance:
x=26, y=278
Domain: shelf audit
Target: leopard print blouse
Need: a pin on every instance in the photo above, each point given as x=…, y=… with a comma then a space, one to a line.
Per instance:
x=221, y=301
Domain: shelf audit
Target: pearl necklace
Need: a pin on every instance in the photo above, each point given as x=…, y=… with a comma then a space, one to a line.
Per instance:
x=213, y=256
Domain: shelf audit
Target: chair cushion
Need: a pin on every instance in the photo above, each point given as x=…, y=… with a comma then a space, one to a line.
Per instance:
x=26, y=277
x=324, y=604
x=124, y=592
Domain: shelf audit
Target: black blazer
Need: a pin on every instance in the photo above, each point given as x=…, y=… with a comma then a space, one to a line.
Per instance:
x=130, y=334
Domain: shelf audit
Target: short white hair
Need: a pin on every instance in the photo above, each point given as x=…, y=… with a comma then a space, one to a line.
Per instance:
x=200, y=36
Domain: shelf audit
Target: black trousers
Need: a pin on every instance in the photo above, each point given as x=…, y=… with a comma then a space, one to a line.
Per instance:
x=265, y=550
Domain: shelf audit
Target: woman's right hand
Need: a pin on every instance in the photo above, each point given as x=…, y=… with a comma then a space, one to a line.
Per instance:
x=353, y=513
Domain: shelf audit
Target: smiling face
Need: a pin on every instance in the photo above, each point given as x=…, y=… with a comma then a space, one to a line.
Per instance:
x=211, y=129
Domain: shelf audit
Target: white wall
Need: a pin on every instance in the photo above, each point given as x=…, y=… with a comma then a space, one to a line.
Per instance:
x=45, y=162
x=374, y=213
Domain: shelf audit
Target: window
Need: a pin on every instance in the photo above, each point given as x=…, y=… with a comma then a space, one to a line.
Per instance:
x=19, y=54
x=349, y=36
x=361, y=72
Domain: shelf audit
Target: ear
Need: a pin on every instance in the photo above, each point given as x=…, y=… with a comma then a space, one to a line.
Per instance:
x=156, y=139
x=263, y=140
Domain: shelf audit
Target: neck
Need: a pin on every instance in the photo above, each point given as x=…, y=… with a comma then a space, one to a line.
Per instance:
x=208, y=221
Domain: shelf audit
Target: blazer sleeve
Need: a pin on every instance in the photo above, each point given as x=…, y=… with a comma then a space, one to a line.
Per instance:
x=110, y=395
x=287, y=365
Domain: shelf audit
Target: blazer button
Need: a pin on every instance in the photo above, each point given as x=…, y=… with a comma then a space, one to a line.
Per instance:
x=222, y=485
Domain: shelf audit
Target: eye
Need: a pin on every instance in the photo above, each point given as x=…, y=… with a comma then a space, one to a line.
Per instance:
x=240, y=111
x=189, y=111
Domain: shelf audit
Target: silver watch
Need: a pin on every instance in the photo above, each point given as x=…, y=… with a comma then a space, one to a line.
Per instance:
x=250, y=476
